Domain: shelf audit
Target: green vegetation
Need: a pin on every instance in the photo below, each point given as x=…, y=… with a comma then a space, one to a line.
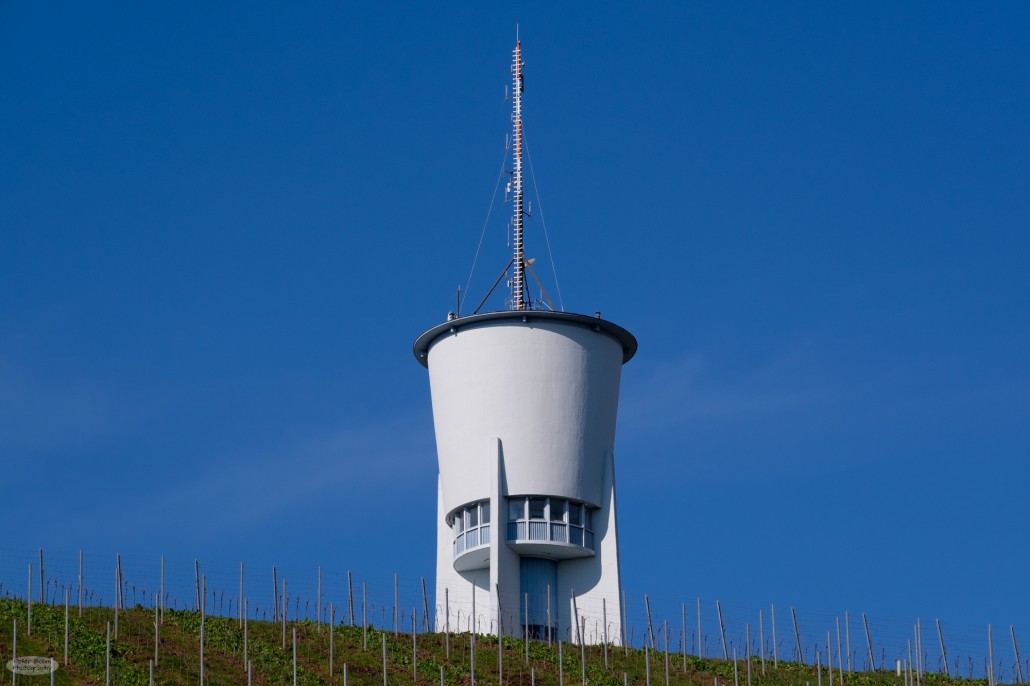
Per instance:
x=272, y=660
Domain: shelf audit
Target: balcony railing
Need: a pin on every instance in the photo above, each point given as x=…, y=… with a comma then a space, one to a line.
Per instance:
x=472, y=538
x=550, y=532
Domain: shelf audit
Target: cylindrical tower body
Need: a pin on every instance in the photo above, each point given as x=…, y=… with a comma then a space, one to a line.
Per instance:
x=524, y=406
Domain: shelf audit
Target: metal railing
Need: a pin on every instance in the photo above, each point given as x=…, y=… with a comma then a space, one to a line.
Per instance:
x=552, y=532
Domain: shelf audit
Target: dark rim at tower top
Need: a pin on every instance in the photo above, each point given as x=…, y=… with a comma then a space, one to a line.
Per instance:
x=624, y=337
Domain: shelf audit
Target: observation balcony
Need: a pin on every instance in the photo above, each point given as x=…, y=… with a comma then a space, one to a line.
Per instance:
x=553, y=528
x=471, y=527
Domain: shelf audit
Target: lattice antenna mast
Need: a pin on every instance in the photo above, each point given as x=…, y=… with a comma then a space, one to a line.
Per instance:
x=518, y=299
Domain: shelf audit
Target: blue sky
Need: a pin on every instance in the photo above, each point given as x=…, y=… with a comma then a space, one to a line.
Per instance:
x=224, y=225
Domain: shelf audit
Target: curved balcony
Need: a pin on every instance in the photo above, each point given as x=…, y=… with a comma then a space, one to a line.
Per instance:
x=471, y=527
x=550, y=527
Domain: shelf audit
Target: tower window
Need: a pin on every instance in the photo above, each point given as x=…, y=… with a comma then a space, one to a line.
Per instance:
x=536, y=508
x=516, y=509
x=471, y=526
x=574, y=514
x=557, y=510
x=554, y=520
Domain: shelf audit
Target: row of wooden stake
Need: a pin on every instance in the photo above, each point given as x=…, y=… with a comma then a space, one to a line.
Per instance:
x=280, y=613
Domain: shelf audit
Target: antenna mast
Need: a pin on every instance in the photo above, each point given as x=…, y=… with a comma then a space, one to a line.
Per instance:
x=518, y=299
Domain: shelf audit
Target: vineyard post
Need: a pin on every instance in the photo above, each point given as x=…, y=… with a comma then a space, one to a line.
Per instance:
x=772, y=623
x=847, y=637
x=283, y=614
x=447, y=623
x=396, y=607
x=868, y=641
x=364, y=619
x=275, y=595
x=647, y=666
x=79, y=583
x=583, y=651
x=425, y=607
x=107, y=658
x=42, y=596
x=829, y=659
x=196, y=581
x=665, y=630
x=736, y=673
x=722, y=631
x=575, y=616
x=414, y=646
x=294, y=639
x=604, y=620
x=525, y=625
x=28, y=598
x=840, y=658
x=548, y=615
x=246, y=633
x=157, y=623
x=163, y=599
x=747, y=651
x=990, y=655
x=761, y=640
x=910, y=674
x=818, y=666
x=944, y=651
x=699, y=627
x=650, y=626
x=797, y=635
x=117, y=585
x=472, y=655
x=625, y=644
x=915, y=632
x=350, y=597
x=203, y=612
x=65, y=627
x=332, y=630
x=318, y=603
x=151, y=673
x=683, y=635
x=1015, y=649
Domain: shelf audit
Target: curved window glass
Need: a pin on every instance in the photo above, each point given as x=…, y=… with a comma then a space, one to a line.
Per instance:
x=551, y=520
x=471, y=526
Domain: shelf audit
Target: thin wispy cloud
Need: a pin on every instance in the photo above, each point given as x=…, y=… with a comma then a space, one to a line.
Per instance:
x=695, y=388
x=347, y=465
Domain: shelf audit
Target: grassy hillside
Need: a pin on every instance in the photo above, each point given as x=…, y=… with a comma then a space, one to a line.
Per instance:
x=272, y=663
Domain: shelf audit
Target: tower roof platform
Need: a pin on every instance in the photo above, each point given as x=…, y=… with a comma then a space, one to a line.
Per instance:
x=514, y=317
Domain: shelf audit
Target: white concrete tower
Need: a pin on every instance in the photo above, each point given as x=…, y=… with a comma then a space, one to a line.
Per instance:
x=524, y=407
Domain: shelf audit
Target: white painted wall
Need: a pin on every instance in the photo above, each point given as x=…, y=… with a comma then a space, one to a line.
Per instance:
x=549, y=390
x=527, y=408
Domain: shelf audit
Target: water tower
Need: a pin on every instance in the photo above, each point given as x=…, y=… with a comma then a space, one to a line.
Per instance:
x=524, y=407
